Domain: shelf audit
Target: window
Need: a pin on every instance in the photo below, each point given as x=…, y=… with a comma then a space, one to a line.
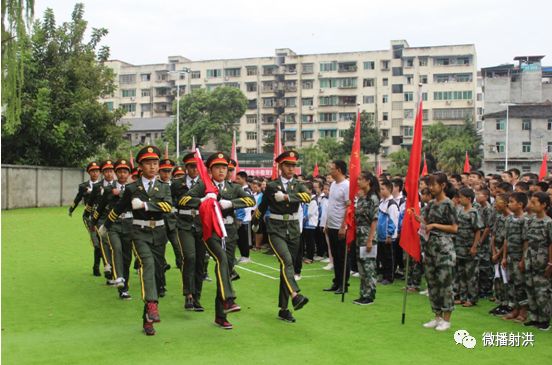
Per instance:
x=214, y=73
x=526, y=147
x=268, y=86
x=290, y=136
x=409, y=62
x=409, y=96
x=549, y=125
x=269, y=70
x=129, y=107
x=342, y=133
x=290, y=118
x=127, y=79
x=251, y=118
x=145, y=92
x=347, y=83
x=369, y=65
x=368, y=83
x=423, y=61
x=549, y=147
x=251, y=70
x=268, y=119
x=269, y=102
x=196, y=74
x=291, y=69
x=290, y=102
x=525, y=168
x=328, y=133
x=453, y=114
x=423, y=79
x=500, y=125
x=251, y=136
x=452, y=95
x=307, y=68
x=307, y=135
x=232, y=72
x=500, y=147
x=385, y=98
x=307, y=101
x=409, y=114
x=397, y=71
x=425, y=114
x=409, y=79
x=328, y=83
x=127, y=93
x=328, y=66
x=346, y=116
x=526, y=124
x=109, y=105
x=328, y=100
x=251, y=86
x=424, y=96
x=307, y=118
x=368, y=99
x=385, y=82
x=145, y=77
x=252, y=104
x=162, y=91
x=251, y=150
x=407, y=131
x=291, y=85
x=385, y=116
x=397, y=88
x=500, y=166
x=307, y=84
x=347, y=66
x=385, y=65
x=327, y=117
x=145, y=107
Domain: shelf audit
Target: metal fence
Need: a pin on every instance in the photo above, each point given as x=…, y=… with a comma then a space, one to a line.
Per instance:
x=39, y=186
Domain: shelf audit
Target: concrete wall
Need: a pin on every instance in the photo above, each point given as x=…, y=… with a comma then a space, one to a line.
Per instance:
x=39, y=186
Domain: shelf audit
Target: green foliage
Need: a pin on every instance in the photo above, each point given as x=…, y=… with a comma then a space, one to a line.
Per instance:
x=210, y=116
x=62, y=122
x=370, y=137
x=399, y=161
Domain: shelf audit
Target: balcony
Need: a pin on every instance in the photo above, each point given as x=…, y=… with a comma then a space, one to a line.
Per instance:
x=347, y=67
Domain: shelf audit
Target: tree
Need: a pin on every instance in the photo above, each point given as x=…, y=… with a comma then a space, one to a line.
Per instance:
x=400, y=160
x=62, y=121
x=309, y=156
x=331, y=147
x=209, y=116
x=370, y=137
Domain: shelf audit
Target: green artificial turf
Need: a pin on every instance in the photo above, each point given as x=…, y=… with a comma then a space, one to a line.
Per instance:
x=55, y=312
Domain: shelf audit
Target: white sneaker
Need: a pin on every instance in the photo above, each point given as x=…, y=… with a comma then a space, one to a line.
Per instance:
x=107, y=268
x=424, y=292
x=328, y=267
x=244, y=260
x=433, y=323
x=297, y=277
x=119, y=282
x=355, y=275
x=443, y=325
x=326, y=260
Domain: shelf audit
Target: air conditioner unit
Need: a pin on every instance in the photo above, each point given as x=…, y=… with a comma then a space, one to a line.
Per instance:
x=132, y=99
x=470, y=102
x=226, y=78
x=311, y=108
x=448, y=102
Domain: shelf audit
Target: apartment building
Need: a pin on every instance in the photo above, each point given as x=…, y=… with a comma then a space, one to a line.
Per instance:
x=317, y=95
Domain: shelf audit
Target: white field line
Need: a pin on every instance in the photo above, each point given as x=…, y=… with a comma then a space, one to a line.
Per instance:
x=255, y=272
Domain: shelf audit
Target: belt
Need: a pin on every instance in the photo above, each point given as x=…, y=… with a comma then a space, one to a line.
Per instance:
x=228, y=220
x=151, y=224
x=285, y=217
x=126, y=215
x=191, y=212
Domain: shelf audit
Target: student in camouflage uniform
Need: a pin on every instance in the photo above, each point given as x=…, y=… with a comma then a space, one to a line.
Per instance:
x=466, y=246
x=512, y=256
x=283, y=197
x=538, y=262
x=486, y=271
x=497, y=243
x=119, y=234
x=416, y=269
x=441, y=222
x=150, y=200
x=84, y=192
x=230, y=197
x=366, y=217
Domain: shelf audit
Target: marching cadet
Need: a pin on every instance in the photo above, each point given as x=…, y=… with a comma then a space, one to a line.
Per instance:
x=149, y=199
x=108, y=173
x=191, y=250
x=178, y=172
x=84, y=193
x=231, y=168
x=283, y=197
x=230, y=197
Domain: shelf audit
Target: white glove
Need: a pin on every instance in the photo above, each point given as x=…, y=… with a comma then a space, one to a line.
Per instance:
x=255, y=228
x=137, y=204
x=209, y=196
x=102, y=230
x=280, y=196
x=225, y=204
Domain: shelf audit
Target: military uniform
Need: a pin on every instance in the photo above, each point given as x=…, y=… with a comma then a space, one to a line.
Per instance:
x=500, y=282
x=283, y=228
x=223, y=256
x=467, y=266
x=150, y=200
x=486, y=271
x=366, y=212
x=538, y=287
x=516, y=229
x=440, y=256
x=84, y=193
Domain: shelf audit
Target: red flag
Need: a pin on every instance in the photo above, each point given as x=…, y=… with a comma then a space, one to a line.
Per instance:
x=467, y=168
x=234, y=156
x=315, y=173
x=209, y=210
x=543, y=169
x=424, y=169
x=131, y=159
x=354, y=173
x=379, y=170
x=277, y=150
x=410, y=239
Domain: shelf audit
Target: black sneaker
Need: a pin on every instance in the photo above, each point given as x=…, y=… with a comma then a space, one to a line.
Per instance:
x=531, y=323
x=495, y=309
x=543, y=326
x=331, y=288
x=198, y=307
x=340, y=291
x=363, y=301
x=124, y=295
x=285, y=315
x=162, y=291
x=96, y=271
x=299, y=301
x=234, y=276
x=189, y=304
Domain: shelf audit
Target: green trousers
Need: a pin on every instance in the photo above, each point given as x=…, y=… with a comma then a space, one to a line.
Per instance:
x=192, y=253
x=121, y=252
x=149, y=247
x=222, y=273
x=285, y=249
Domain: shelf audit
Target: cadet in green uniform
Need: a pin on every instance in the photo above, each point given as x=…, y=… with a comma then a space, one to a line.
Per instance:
x=497, y=242
x=230, y=197
x=150, y=200
x=486, y=271
x=283, y=197
x=108, y=180
x=191, y=250
x=84, y=192
x=119, y=234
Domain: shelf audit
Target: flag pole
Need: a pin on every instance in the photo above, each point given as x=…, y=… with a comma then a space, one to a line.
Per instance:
x=407, y=268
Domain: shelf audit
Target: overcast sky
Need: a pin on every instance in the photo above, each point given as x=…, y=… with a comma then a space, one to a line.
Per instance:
x=148, y=31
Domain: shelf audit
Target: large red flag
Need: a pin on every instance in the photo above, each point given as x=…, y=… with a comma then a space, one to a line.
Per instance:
x=354, y=173
x=315, y=173
x=467, y=168
x=410, y=240
x=379, y=170
x=234, y=156
x=543, y=169
x=424, y=169
x=277, y=150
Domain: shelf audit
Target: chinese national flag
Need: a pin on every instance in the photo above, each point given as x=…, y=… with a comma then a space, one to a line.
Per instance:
x=315, y=173
x=467, y=168
x=354, y=173
x=277, y=150
x=424, y=169
x=410, y=240
x=543, y=169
